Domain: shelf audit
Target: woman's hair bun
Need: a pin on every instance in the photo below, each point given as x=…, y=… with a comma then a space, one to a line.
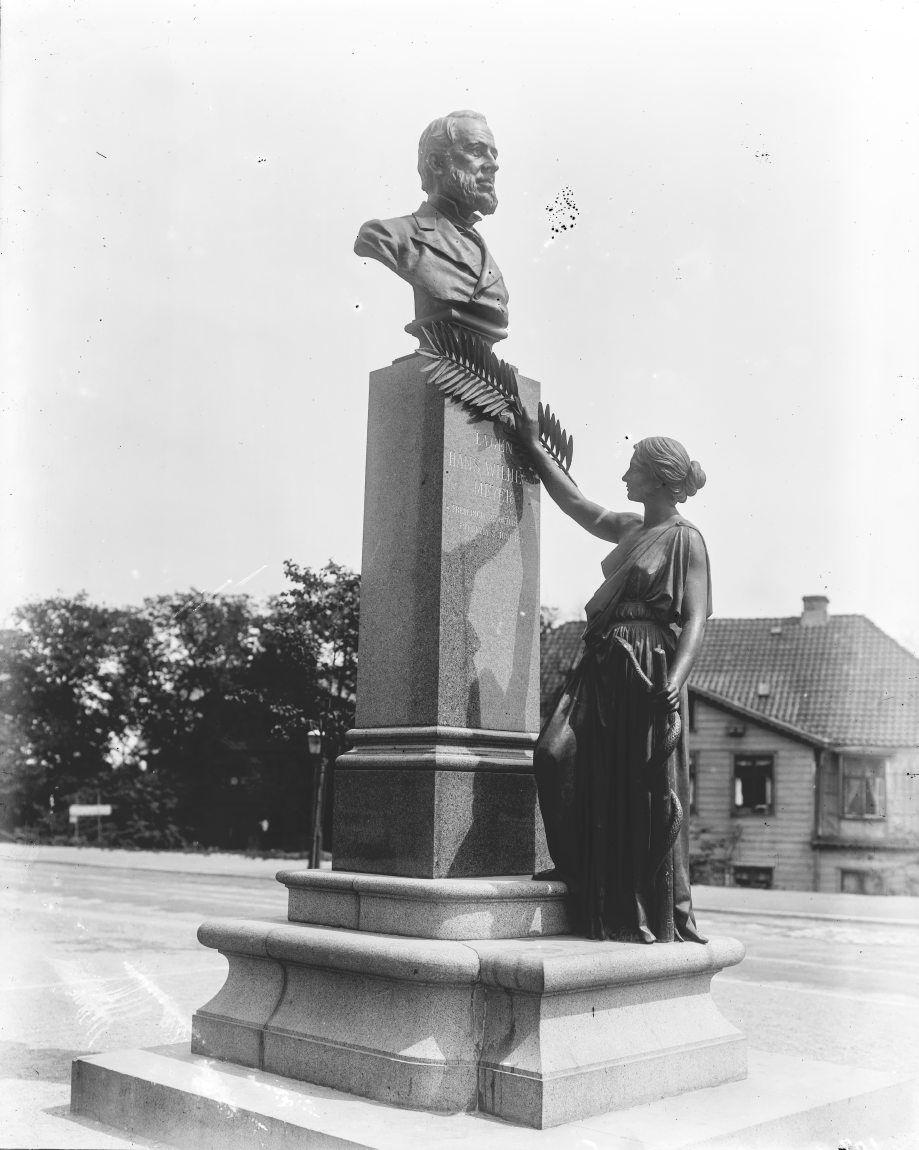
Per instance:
x=695, y=477
x=669, y=462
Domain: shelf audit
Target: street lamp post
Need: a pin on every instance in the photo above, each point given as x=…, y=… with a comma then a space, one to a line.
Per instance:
x=314, y=742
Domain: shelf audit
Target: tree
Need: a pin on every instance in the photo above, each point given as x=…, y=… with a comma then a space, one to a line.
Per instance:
x=189, y=713
x=311, y=639
x=198, y=728
x=61, y=707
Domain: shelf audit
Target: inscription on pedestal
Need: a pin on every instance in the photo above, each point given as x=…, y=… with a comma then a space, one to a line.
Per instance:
x=482, y=485
x=490, y=582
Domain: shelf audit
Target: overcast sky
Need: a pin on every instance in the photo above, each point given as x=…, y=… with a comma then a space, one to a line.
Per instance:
x=187, y=334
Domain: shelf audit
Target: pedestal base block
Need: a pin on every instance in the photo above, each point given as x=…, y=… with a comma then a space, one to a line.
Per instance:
x=536, y=1031
x=474, y=908
x=438, y=802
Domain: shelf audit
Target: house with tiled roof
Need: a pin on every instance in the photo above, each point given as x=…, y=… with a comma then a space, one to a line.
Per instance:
x=804, y=741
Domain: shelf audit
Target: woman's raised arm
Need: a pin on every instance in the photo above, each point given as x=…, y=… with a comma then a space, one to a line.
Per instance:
x=598, y=520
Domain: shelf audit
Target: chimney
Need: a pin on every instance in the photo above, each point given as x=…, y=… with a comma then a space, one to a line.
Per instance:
x=814, y=613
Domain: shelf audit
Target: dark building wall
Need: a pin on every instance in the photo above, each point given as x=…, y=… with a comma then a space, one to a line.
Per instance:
x=829, y=852
x=780, y=840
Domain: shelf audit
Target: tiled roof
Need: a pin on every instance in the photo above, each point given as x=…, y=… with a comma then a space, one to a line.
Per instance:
x=559, y=649
x=843, y=681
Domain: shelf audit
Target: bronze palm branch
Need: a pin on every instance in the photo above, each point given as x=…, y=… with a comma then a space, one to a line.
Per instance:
x=468, y=372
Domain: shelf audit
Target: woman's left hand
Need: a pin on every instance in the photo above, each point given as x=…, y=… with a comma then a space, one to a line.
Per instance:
x=668, y=696
x=527, y=428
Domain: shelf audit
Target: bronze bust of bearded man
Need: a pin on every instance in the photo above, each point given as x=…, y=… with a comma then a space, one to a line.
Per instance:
x=437, y=248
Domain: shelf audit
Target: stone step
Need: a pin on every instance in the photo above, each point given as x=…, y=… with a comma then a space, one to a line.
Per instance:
x=188, y=1101
x=477, y=908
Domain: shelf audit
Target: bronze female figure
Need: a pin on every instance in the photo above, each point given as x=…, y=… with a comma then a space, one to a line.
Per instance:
x=592, y=755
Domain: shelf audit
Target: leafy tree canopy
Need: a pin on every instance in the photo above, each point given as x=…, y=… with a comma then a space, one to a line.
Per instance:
x=189, y=713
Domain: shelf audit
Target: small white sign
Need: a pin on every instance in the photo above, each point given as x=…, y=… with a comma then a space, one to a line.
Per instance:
x=82, y=812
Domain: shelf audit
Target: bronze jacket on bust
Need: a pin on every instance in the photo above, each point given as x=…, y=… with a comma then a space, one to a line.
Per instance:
x=445, y=260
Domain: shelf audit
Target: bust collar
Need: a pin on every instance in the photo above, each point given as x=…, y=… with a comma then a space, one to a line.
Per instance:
x=448, y=208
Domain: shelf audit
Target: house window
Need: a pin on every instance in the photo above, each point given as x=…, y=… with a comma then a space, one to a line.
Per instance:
x=758, y=876
x=860, y=882
x=692, y=782
x=863, y=788
x=753, y=785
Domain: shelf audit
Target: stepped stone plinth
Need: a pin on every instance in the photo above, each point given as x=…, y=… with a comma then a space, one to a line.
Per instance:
x=538, y=1030
x=427, y=908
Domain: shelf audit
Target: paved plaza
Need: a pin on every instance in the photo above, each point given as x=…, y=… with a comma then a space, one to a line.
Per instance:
x=100, y=953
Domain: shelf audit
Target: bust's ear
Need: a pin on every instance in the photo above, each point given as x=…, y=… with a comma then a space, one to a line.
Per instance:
x=435, y=163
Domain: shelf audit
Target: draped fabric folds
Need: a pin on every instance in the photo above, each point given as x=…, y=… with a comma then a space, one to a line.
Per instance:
x=591, y=754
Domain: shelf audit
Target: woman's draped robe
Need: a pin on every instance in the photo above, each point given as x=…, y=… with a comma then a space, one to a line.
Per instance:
x=591, y=754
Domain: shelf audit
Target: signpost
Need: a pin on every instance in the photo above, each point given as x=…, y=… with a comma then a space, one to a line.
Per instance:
x=87, y=810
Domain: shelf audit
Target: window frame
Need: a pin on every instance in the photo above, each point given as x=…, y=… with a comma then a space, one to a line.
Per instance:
x=866, y=877
x=873, y=766
x=750, y=868
x=740, y=812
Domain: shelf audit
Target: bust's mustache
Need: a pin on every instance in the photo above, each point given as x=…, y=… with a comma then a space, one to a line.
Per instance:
x=466, y=189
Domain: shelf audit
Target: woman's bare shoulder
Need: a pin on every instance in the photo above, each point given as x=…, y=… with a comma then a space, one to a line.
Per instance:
x=613, y=526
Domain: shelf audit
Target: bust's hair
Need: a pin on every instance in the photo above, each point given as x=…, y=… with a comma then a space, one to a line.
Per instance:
x=436, y=140
x=669, y=463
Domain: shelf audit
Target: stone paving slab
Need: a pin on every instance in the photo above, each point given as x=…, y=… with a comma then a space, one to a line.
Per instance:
x=37, y=1115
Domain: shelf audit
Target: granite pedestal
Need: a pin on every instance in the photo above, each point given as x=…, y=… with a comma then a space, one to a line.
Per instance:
x=439, y=782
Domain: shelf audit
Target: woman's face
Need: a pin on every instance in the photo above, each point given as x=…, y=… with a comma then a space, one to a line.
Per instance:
x=640, y=482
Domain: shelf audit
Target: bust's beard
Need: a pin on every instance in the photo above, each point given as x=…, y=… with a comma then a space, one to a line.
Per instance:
x=462, y=188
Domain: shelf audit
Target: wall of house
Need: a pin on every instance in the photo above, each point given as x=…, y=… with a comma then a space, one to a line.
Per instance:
x=873, y=847
x=903, y=794
x=781, y=840
x=884, y=871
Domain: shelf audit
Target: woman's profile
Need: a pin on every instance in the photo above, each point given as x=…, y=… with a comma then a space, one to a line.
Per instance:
x=644, y=629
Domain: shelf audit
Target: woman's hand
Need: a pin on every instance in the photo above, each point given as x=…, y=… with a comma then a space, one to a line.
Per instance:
x=526, y=428
x=668, y=696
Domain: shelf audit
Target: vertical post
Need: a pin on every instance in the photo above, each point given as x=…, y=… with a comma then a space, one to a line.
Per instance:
x=661, y=785
x=318, y=804
x=314, y=742
x=98, y=821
